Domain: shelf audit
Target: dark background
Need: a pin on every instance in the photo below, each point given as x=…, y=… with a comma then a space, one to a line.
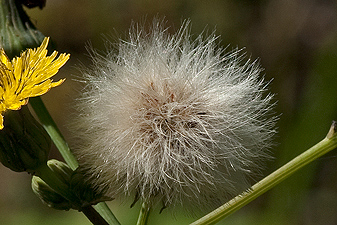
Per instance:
x=294, y=40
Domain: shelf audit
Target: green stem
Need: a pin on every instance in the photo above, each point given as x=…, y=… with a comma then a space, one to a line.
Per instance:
x=50, y=126
x=143, y=214
x=106, y=213
x=327, y=144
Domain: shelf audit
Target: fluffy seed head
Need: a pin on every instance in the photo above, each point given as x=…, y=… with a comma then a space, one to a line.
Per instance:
x=172, y=120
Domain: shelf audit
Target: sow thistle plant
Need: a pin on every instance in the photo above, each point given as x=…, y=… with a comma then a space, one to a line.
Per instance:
x=163, y=118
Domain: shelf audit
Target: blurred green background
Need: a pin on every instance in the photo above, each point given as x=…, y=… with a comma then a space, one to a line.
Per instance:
x=294, y=40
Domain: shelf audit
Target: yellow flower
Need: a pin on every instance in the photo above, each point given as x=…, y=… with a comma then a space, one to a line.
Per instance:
x=27, y=76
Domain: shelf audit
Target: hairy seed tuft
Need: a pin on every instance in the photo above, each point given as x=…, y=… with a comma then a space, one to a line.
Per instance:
x=173, y=120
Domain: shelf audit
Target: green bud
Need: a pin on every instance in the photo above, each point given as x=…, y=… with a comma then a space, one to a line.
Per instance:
x=16, y=31
x=62, y=170
x=24, y=144
x=47, y=194
x=78, y=187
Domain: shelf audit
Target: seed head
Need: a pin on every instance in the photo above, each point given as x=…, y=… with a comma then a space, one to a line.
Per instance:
x=173, y=120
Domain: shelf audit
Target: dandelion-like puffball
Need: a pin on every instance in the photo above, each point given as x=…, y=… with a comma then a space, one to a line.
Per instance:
x=171, y=120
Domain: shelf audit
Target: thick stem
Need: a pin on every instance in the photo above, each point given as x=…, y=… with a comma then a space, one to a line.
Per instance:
x=93, y=216
x=327, y=144
x=143, y=214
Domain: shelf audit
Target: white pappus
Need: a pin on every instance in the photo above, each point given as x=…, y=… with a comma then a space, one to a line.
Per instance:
x=172, y=120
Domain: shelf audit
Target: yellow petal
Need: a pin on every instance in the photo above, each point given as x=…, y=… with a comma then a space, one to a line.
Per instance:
x=1, y=122
x=28, y=75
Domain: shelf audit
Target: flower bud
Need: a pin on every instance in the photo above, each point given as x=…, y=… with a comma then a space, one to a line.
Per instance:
x=47, y=194
x=16, y=31
x=24, y=144
x=62, y=170
x=77, y=185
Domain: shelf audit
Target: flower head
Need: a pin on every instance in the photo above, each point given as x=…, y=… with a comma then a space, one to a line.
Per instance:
x=173, y=120
x=27, y=76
